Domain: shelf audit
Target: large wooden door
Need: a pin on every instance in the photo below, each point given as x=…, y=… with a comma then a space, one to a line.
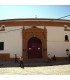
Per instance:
x=34, y=48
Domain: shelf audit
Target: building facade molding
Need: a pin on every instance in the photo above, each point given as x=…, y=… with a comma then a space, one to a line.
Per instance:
x=35, y=22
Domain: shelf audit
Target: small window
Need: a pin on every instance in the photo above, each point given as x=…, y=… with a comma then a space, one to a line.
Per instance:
x=66, y=38
x=1, y=45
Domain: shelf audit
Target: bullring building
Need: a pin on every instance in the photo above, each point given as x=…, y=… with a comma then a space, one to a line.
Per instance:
x=34, y=38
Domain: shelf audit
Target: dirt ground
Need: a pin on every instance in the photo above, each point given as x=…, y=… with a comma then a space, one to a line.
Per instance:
x=43, y=70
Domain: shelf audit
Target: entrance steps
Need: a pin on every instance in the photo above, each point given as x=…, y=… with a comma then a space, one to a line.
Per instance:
x=35, y=62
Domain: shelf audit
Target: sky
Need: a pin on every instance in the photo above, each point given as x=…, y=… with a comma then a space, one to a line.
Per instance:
x=31, y=11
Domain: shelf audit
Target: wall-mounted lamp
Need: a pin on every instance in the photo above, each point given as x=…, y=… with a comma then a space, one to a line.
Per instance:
x=67, y=51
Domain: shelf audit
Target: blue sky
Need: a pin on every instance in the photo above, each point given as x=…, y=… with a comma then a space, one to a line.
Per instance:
x=42, y=11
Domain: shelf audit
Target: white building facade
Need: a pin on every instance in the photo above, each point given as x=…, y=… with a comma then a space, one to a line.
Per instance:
x=15, y=41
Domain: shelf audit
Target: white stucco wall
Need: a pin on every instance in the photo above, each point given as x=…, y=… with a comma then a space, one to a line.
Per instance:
x=12, y=40
x=55, y=41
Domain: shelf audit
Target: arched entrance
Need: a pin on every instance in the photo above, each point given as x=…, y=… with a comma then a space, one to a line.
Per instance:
x=34, y=48
x=34, y=43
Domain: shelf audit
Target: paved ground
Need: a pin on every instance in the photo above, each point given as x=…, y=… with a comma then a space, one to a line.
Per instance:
x=11, y=68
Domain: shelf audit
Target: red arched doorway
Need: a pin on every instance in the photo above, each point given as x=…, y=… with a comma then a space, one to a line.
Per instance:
x=34, y=48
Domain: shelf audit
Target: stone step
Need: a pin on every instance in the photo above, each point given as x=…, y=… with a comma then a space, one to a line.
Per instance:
x=35, y=61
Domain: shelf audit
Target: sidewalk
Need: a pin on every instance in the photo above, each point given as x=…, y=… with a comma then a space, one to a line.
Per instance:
x=32, y=64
